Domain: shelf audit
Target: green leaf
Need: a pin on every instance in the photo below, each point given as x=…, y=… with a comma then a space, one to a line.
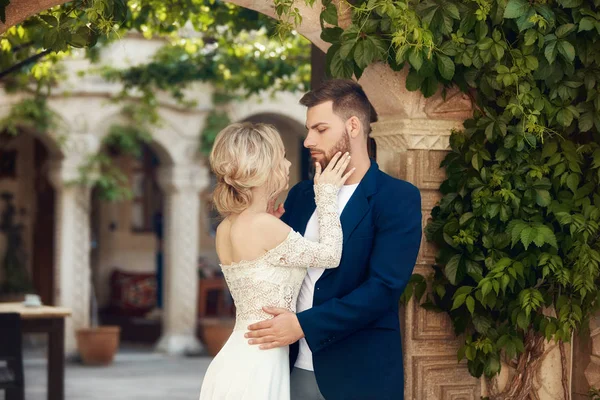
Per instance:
x=445, y=66
x=586, y=24
x=550, y=52
x=516, y=8
x=570, y=3
x=459, y=301
x=564, y=117
x=573, y=182
x=429, y=86
x=451, y=270
x=331, y=35
x=549, y=149
x=341, y=68
x=471, y=304
x=527, y=236
x=492, y=367
x=567, y=50
x=330, y=14
x=565, y=30
x=543, y=198
x=415, y=58
x=413, y=81
x=364, y=53
x=523, y=320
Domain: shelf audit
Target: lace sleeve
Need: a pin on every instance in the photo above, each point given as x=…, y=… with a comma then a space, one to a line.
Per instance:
x=298, y=251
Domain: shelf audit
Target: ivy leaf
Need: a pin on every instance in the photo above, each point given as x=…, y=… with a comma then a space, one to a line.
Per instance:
x=459, y=301
x=550, y=52
x=415, y=58
x=564, y=30
x=586, y=24
x=516, y=8
x=445, y=66
x=331, y=35
x=471, y=304
x=567, y=50
x=573, y=182
x=543, y=198
x=429, y=86
x=492, y=367
x=570, y=3
x=451, y=270
x=564, y=117
x=330, y=14
x=364, y=53
x=341, y=68
x=549, y=149
x=523, y=320
x=586, y=121
x=413, y=81
x=527, y=236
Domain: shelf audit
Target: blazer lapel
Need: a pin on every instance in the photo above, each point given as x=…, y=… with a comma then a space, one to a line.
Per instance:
x=358, y=205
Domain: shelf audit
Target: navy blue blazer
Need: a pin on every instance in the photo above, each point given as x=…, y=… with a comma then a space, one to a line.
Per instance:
x=353, y=329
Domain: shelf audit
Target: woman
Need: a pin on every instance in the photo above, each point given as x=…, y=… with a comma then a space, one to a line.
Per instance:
x=263, y=260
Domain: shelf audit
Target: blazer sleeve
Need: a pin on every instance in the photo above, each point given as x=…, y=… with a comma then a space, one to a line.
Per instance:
x=393, y=257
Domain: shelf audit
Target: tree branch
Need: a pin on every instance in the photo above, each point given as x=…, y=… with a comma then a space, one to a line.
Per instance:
x=23, y=63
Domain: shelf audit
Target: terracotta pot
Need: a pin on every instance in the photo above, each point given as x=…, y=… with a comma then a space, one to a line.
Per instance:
x=97, y=346
x=214, y=332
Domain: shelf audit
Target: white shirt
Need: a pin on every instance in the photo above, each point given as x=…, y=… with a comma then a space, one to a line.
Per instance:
x=307, y=292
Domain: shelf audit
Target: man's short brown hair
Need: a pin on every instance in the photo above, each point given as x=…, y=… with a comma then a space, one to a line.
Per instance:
x=349, y=99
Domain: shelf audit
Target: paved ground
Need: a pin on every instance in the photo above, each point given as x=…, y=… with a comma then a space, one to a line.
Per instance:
x=135, y=374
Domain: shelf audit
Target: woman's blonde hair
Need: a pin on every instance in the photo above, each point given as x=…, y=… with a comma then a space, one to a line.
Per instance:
x=245, y=156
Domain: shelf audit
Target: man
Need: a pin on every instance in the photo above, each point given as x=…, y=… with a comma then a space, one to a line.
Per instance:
x=345, y=338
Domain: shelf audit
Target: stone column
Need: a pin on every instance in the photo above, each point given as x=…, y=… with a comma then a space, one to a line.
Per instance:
x=412, y=149
x=181, y=185
x=72, y=249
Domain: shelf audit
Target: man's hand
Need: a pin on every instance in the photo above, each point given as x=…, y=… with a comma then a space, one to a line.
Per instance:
x=283, y=330
x=276, y=212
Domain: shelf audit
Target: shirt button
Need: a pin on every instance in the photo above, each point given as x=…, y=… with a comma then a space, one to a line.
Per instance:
x=317, y=288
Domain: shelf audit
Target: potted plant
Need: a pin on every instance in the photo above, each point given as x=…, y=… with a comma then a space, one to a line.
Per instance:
x=97, y=344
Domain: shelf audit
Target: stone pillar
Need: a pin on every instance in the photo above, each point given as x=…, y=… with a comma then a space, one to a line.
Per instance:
x=72, y=249
x=181, y=186
x=412, y=149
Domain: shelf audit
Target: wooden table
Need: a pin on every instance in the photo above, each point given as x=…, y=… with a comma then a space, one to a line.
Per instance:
x=49, y=320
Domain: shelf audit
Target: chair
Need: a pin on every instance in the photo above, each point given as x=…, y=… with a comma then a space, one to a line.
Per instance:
x=11, y=357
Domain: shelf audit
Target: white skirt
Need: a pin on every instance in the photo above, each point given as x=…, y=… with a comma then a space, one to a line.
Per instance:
x=244, y=372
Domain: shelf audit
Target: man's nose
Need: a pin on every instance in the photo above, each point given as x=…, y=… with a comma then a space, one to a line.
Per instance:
x=309, y=141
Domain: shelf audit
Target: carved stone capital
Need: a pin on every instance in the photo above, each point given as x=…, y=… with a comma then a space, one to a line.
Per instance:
x=402, y=134
x=183, y=178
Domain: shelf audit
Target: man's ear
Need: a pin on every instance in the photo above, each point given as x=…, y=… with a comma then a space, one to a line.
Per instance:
x=353, y=126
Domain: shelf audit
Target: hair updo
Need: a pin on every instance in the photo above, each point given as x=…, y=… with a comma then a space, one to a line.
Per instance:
x=245, y=156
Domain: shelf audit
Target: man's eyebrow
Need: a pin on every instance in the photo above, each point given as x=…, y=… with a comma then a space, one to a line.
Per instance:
x=315, y=125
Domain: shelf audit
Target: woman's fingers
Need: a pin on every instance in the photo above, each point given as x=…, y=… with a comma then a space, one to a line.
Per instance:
x=343, y=164
x=333, y=161
x=345, y=177
x=317, y=171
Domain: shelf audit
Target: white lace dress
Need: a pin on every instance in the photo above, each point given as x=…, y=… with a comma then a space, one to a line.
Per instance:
x=244, y=372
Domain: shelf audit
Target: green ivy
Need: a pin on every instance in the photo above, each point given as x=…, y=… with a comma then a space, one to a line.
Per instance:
x=32, y=113
x=518, y=225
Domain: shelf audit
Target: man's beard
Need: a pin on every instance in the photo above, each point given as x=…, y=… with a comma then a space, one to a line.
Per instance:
x=342, y=146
